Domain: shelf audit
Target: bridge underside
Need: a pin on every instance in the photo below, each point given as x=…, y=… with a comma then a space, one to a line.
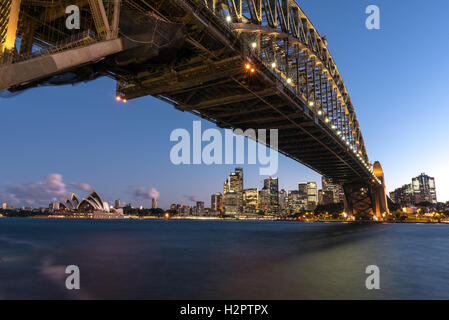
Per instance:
x=190, y=59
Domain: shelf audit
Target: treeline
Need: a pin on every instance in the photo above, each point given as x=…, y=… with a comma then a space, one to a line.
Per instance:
x=20, y=213
x=143, y=212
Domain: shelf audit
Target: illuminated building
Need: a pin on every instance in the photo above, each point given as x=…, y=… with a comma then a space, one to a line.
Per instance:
x=230, y=203
x=272, y=185
x=336, y=189
x=234, y=182
x=424, y=189
x=250, y=200
x=216, y=203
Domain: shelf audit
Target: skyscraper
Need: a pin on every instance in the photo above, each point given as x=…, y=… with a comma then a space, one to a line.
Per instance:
x=117, y=204
x=302, y=195
x=312, y=195
x=272, y=185
x=235, y=183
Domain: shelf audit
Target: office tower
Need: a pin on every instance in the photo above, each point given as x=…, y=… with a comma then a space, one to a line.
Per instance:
x=234, y=182
x=216, y=203
x=117, y=204
x=320, y=197
x=230, y=203
x=272, y=185
x=312, y=195
x=200, y=208
x=302, y=195
x=264, y=201
x=154, y=203
x=337, y=190
x=239, y=188
x=295, y=202
x=250, y=200
x=283, y=200
x=424, y=189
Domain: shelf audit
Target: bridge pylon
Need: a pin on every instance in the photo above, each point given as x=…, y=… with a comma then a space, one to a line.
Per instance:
x=367, y=201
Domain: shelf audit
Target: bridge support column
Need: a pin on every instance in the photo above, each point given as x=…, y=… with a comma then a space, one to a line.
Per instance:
x=9, y=41
x=367, y=200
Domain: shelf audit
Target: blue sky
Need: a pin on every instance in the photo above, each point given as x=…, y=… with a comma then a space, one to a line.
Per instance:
x=397, y=78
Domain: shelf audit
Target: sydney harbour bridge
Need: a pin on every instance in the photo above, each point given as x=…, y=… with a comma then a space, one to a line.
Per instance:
x=257, y=64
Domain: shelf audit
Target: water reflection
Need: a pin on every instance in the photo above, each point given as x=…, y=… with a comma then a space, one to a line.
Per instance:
x=221, y=260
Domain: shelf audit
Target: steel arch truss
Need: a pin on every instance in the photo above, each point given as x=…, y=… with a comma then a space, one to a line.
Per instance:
x=283, y=38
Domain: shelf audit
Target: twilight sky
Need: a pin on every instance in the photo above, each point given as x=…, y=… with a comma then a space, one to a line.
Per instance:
x=72, y=138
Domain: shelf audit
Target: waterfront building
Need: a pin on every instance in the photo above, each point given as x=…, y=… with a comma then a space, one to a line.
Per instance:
x=303, y=195
x=117, y=204
x=92, y=203
x=250, y=200
x=336, y=189
x=216, y=203
x=4, y=206
x=312, y=196
x=230, y=203
x=424, y=189
x=295, y=202
x=199, y=208
x=403, y=195
x=328, y=197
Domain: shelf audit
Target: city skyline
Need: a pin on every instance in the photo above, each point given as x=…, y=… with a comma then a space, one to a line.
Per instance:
x=128, y=144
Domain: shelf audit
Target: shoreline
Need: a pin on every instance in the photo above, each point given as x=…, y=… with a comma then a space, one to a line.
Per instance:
x=228, y=219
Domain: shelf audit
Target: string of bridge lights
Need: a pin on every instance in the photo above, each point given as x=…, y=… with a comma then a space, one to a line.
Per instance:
x=320, y=113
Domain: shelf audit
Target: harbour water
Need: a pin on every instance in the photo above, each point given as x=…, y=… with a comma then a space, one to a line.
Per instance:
x=175, y=259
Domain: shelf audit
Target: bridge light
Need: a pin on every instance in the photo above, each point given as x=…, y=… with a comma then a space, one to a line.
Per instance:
x=118, y=98
x=339, y=132
x=273, y=65
x=334, y=127
x=320, y=113
x=254, y=45
x=311, y=103
x=327, y=120
x=252, y=70
x=289, y=80
x=125, y=100
x=228, y=19
x=248, y=66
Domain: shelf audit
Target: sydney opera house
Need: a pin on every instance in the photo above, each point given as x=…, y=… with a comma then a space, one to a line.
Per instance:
x=92, y=203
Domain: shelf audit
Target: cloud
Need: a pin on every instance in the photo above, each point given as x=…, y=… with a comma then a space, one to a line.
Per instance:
x=192, y=198
x=142, y=193
x=37, y=193
x=82, y=186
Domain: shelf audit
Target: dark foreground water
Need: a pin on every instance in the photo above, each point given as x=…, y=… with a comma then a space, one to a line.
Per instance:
x=221, y=259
